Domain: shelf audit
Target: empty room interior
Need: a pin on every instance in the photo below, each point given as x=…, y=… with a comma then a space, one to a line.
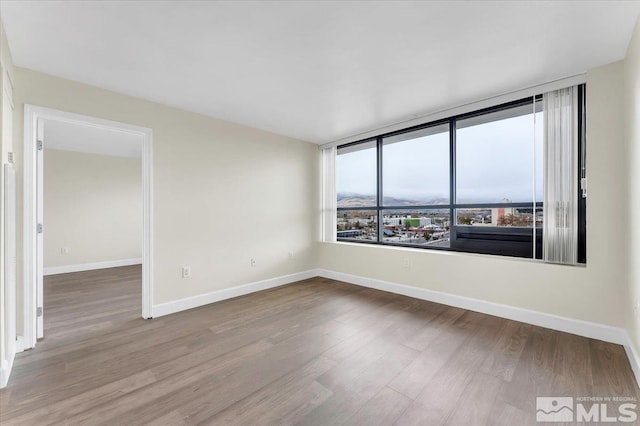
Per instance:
x=320, y=213
x=92, y=205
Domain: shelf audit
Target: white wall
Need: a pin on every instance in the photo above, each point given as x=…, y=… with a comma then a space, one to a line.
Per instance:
x=594, y=292
x=223, y=192
x=6, y=146
x=92, y=207
x=632, y=136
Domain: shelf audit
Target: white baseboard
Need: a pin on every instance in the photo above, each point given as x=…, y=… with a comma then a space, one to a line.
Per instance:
x=634, y=358
x=53, y=270
x=4, y=374
x=5, y=369
x=228, y=293
x=555, y=322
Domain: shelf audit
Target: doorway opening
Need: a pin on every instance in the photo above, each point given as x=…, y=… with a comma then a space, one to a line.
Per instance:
x=96, y=218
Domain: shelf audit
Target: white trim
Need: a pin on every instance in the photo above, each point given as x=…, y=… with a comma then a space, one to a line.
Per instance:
x=229, y=293
x=418, y=119
x=65, y=269
x=10, y=269
x=31, y=116
x=5, y=369
x=5, y=372
x=28, y=231
x=634, y=358
x=147, y=222
x=555, y=322
x=7, y=364
x=39, y=237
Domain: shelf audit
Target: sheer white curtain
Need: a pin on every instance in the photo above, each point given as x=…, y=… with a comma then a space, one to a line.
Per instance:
x=329, y=203
x=560, y=230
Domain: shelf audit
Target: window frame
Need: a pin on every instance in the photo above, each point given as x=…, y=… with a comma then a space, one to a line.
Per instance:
x=504, y=241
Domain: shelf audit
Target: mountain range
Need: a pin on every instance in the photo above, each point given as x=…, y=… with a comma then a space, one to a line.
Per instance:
x=349, y=199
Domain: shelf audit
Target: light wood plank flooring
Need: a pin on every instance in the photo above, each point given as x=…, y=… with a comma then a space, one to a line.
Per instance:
x=314, y=352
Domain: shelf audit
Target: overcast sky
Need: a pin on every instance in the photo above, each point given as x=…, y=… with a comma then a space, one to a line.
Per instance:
x=494, y=161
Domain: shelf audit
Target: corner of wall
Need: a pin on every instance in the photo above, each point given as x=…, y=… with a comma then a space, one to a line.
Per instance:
x=632, y=138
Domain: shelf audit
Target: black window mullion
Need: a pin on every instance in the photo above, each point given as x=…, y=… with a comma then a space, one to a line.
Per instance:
x=582, y=201
x=492, y=205
x=356, y=208
x=379, y=192
x=452, y=180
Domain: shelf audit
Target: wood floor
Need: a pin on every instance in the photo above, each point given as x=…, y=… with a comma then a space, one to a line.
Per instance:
x=314, y=352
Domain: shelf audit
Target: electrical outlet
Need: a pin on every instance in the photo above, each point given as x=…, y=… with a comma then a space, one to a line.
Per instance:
x=406, y=263
x=186, y=272
x=253, y=263
x=64, y=250
x=291, y=255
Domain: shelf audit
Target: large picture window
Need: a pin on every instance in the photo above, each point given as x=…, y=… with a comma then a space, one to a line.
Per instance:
x=472, y=183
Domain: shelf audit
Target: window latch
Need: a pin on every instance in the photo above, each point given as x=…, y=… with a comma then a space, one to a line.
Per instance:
x=583, y=187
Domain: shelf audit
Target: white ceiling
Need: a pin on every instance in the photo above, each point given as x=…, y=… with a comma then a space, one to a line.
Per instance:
x=318, y=71
x=83, y=138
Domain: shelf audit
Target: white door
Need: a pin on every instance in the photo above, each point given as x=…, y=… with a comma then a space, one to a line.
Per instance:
x=40, y=230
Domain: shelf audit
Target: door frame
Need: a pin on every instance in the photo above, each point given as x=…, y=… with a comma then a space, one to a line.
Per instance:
x=32, y=114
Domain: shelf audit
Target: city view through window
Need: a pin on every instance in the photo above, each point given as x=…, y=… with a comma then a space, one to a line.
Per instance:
x=498, y=173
